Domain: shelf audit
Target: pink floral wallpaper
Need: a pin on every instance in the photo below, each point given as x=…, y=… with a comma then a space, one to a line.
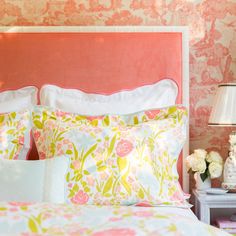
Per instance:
x=212, y=25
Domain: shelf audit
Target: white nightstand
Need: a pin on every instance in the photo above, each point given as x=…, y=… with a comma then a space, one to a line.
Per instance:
x=205, y=202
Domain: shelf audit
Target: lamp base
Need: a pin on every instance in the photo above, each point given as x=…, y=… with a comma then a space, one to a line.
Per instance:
x=230, y=166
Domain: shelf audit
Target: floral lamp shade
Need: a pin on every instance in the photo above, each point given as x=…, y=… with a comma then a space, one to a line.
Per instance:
x=224, y=106
x=224, y=114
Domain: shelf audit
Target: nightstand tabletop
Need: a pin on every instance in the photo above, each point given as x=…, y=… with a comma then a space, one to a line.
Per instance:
x=214, y=198
x=204, y=202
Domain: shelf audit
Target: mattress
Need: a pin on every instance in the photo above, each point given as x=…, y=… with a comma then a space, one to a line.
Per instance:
x=61, y=219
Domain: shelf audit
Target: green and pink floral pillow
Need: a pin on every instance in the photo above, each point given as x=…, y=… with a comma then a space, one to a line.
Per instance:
x=15, y=130
x=116, y=159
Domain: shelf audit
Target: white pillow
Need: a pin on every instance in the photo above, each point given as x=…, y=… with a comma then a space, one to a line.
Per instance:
x=16, y=100
x=33, y=181
x=160, y=94
x=54, y=179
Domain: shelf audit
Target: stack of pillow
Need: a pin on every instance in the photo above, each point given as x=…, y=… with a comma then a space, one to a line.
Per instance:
x=23, y=180
x=118, y=149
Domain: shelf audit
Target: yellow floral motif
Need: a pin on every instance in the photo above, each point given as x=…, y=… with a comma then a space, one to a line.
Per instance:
x=116, y=159
x=14, y=131
x=66, y=219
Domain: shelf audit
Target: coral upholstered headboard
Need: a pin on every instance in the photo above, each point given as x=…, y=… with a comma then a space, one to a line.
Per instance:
x=96, y=59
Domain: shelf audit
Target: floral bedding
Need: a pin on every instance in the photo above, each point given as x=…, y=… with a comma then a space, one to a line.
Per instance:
x=116, y=159
x=15, y=130
x=56, y=219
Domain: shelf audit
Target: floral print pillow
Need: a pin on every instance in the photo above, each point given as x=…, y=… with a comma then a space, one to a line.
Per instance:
x=116, y=159
x=15, y=130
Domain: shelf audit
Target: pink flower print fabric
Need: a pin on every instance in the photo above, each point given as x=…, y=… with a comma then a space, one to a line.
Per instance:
x=67, y=219
x=15, y=140
x=116, y=159
x=80, y=198
x=123, y=148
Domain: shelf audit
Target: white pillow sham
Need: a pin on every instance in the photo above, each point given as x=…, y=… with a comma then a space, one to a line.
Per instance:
x=16, y=100
x=33, y=181
x=160, y=94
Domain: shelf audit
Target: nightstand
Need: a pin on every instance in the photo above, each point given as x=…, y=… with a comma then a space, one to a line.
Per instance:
x=204, y=203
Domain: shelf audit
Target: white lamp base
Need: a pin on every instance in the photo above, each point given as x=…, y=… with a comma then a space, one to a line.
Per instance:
x=230, y=166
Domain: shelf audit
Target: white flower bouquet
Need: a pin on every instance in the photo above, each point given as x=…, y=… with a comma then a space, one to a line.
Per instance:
x=206, y=164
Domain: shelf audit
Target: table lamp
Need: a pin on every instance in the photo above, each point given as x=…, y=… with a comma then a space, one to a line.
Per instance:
x=224, y=114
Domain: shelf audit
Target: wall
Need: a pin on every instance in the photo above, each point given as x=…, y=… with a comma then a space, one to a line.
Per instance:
x=212, y=25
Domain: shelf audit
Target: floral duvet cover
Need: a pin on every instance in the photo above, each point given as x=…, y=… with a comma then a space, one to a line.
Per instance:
x=57, y=219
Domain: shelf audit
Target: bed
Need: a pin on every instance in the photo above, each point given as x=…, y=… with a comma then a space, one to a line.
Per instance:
x=51, y=219
x=106, y=64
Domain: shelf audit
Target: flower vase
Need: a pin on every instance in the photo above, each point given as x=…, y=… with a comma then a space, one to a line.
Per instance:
x=202, y=185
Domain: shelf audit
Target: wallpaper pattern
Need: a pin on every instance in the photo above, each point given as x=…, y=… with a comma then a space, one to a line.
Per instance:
x=212, y=25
